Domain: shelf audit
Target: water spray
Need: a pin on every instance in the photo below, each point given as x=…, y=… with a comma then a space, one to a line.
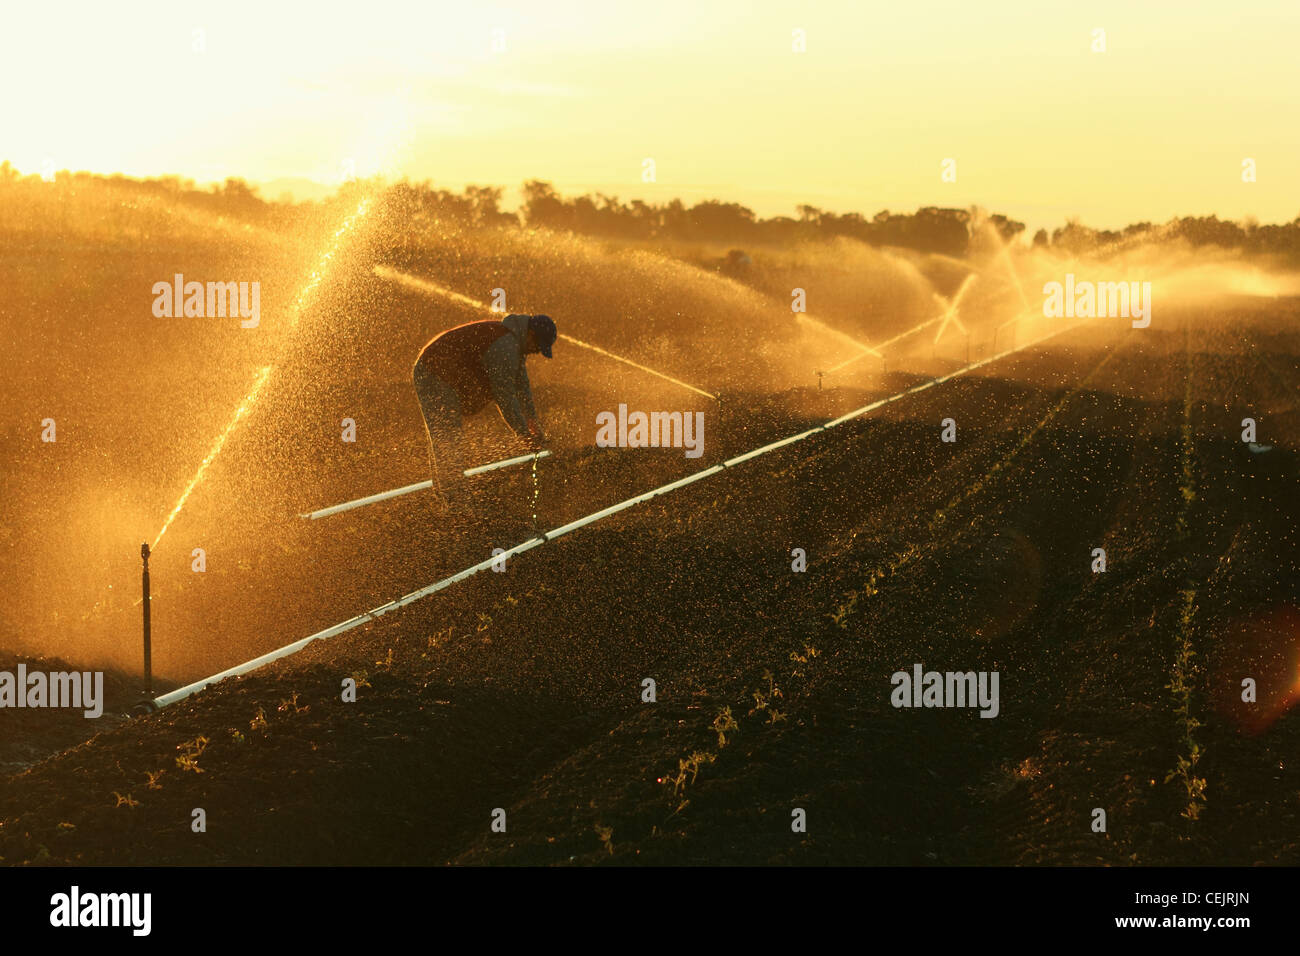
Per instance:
x=432, y=288
x=535, y=492
x=626, y=361
x=314, y=280
x=1013, y=321
x=836, y=333
x=240, y=412
x=951, y=314
x=901, y=335
x=1015, y=276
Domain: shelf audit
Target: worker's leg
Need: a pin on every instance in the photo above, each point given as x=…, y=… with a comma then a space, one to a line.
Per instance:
x=442, y=420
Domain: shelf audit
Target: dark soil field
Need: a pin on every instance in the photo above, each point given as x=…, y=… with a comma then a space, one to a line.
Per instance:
x=522, y=691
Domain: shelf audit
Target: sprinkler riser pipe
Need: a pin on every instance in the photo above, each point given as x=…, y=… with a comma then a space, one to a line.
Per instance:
x=148, y=637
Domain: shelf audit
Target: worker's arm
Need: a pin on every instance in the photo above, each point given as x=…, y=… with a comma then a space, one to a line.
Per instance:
x=535, y=437
x=525, y=393
x=501, y=361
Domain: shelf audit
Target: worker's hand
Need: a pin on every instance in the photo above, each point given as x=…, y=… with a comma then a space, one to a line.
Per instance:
x=536, y=440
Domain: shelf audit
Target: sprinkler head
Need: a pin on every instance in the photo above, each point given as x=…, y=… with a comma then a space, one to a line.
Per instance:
x=144, y=551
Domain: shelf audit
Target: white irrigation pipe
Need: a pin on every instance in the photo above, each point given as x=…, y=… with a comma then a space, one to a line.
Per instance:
x=419, y=486
x=182, y=692
x=368, y=500
x=505, y=463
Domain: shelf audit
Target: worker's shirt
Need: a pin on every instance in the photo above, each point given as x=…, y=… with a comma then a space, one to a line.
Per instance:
x=484, y=362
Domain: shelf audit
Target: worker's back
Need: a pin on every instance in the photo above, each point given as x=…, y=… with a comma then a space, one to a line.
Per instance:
x=456, y=357
x=463, y=370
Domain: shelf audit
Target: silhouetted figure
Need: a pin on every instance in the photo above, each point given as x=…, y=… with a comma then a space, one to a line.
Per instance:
x=459, y=372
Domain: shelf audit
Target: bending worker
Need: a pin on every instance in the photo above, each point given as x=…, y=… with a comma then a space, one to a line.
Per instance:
x=463, y=369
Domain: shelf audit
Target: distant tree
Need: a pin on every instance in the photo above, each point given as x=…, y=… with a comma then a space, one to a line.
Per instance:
x=1008, y=229
x=584, y=215
x=674, y=220
x=851, y=224
x=542, y=206
x=647, y=219
x=938, y=230
x=809, y=214
x=722, y=220
x=1074, y=237
x=485, y=201
x=238, y=190
x=781, y=229
x=1206, y=231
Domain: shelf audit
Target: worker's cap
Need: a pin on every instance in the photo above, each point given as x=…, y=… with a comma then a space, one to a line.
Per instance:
x=544, y=331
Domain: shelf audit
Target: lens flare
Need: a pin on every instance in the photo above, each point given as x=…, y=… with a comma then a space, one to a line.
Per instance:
x=1257, y=668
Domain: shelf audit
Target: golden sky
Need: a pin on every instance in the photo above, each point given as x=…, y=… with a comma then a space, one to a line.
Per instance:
x=1041, y=127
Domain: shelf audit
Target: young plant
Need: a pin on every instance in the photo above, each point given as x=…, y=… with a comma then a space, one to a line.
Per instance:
x=723, y=723
x=192, y=750
x=1180, y=685
x=292, y=703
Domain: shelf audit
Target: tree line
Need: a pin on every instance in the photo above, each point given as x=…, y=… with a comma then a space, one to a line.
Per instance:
x=929, y=229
